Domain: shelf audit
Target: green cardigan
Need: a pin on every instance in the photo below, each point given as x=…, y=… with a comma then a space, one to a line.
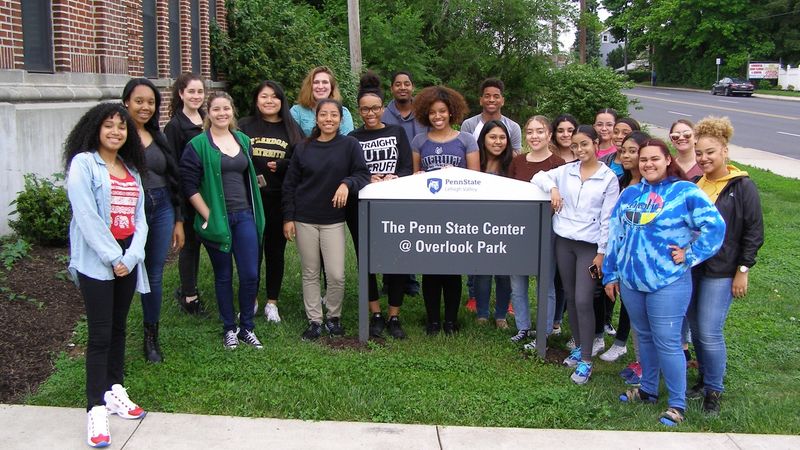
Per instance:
x=208, y=164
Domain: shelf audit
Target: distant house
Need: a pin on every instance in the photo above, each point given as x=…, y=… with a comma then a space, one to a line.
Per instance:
x=58, y=58
x=607, y=44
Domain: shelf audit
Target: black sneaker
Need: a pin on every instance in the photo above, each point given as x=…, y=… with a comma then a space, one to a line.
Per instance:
x=711, y=402
x=376, y=325
x=193, y=307
x=249, y=338
x=697, y=391
x=433, y=328
x=449, y=328
x=313, y=332
x=334, y=326
x=395, y=329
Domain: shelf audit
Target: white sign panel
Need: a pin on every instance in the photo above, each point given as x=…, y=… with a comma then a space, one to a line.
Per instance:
x=763, y=70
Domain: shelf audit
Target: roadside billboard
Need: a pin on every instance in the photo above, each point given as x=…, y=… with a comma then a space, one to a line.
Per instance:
x=763, y=70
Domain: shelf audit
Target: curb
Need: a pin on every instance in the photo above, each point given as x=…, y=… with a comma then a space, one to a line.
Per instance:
x=755, y=94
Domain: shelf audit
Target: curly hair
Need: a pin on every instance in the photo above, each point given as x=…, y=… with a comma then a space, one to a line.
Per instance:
x=719, y=128
x=369, y=84
x=180, y=85
x=505, y=157
x=456, y=105
x=85, y=136
x=306, y=95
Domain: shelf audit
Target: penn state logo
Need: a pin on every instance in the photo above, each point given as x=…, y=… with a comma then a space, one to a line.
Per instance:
x=438, y=150
x=434, y=185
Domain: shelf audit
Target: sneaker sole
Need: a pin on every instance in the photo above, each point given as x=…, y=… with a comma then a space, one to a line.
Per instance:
x=125, y=415
x=609, y=359
x=99, y=444
x=579, y=381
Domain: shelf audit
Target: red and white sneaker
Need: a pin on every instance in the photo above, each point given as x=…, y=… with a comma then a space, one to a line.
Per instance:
x=117, y=402
x=97, y=434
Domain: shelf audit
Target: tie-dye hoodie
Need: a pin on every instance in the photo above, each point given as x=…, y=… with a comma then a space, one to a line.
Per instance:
x=646, y=220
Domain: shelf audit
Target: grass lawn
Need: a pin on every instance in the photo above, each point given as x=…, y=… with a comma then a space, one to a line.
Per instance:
x=778, y=92
x=476, y=378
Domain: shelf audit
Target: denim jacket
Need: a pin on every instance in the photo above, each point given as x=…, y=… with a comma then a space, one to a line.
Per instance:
x=93, y=250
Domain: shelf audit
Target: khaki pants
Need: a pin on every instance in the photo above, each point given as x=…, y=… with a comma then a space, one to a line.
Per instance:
x=328, y=240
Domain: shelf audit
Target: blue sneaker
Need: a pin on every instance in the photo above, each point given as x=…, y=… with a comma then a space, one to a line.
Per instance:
x=574, y=358
x=582, y=373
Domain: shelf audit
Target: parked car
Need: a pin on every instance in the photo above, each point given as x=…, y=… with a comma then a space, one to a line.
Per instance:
x=732, y=86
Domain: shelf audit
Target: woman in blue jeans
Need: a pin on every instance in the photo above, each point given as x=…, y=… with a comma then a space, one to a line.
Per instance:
x=725, y=275
x=162, y=202
x=660, y=229
x=220, y=182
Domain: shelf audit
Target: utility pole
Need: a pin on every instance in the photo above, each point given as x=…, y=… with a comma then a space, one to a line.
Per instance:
x=354, y=27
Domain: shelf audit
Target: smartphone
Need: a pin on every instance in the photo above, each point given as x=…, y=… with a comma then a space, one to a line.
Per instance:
x=594, y=271
x=262, y=182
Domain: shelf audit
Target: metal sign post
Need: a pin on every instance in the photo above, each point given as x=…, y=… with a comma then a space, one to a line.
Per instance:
x=455, y=221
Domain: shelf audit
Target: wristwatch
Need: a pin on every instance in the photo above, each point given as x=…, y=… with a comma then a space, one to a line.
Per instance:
x=743, y=269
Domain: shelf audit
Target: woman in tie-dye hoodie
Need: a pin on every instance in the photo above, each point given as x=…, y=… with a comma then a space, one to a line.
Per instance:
x=659, y=230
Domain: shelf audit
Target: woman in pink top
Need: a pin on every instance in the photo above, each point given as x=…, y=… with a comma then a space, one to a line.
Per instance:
x=604, y=122
x=682, y=138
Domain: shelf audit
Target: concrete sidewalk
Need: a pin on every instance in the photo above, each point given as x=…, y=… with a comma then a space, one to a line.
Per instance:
x=778, y=164
x=26, y=427
x=755, y=94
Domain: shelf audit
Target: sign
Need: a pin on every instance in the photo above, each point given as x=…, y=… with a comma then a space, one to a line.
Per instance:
x=763, y=70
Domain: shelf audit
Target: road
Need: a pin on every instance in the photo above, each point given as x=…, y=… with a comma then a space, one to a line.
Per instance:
x=759, y=123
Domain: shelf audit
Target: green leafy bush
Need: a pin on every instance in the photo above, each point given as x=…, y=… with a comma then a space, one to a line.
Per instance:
x=764, y=85
x=43, y=211
x=277, y=40
x=582, y=90
x=639, y=76
x=12, y=250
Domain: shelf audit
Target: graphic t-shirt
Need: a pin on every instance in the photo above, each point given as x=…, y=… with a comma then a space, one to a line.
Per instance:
x=386, y=150
x=270, y=142
x=124, y=196
x=438, y=155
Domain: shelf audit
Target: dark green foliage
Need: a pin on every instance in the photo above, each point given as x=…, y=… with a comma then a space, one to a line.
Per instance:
x=616, y=58
x=639, y=76
x=12, y=251
x=278, y=40
x=43, y=211
x=582, y=90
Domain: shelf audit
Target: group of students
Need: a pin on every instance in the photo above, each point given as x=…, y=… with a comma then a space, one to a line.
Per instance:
x=626, y=222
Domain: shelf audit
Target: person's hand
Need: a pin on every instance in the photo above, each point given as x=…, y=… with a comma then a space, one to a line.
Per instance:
x=272, y=166
x=739, y=287
x=340, y=197
x=120, y=270
x=612, y=290
x=598, y=261
x=389, y=176
x=289, y=231
x=376, y=177
x=555, y=200
x=178, y=237
x=678, y=254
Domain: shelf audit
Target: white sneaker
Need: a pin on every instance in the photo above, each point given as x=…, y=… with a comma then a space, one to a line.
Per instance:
x=271, y=313
x=118, y=402
x=614, y=353
x=598, y=346
x=97, y=433
x=571, y=344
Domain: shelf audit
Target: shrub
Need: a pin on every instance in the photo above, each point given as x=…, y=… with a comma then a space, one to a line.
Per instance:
x=639, y=76
x=790, y=88
x=43, y=211
x=764, y=85
x=582, y=90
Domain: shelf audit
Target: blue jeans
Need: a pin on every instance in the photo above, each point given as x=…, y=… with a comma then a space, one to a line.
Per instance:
x=160, y=222
x=657, y=318
x=245, y=249
x=521, y=303
x=483, y=289
x=707, y=313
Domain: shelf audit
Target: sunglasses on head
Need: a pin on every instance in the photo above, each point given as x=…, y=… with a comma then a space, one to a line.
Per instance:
x=685, y=134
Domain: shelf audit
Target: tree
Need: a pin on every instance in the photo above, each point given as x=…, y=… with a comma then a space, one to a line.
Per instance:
x=616, y=58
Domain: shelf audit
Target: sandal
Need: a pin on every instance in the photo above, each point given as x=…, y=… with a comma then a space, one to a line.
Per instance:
x=636, y=395
x=672, y=417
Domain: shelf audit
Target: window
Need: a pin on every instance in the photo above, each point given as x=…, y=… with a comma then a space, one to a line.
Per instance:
x=149, y=38
x=174, y=38
x=37, y=36
x=605, y=38
x=195, y=19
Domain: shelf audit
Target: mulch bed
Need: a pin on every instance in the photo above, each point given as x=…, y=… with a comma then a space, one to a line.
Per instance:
x=35, y=328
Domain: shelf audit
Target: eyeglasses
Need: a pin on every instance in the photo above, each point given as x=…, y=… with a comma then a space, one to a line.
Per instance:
x=685, y=134
x=585, y=144
x=375, y=109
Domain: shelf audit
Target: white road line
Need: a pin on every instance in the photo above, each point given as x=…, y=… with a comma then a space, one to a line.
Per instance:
x=728, y=101
x=724, y=108
x=788, y=134
x=680, y=114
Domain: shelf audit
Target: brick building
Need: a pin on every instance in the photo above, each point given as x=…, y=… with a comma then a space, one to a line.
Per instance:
x=58, y=58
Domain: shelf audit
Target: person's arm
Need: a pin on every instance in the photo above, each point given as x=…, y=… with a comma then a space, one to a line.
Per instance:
x=609, y=268
x=704, y=217
x=84, y=211
x=358, y=173
x=416, y=148
x=516, y=137
x=405, y=160
x=474, y=161
x=752, y=235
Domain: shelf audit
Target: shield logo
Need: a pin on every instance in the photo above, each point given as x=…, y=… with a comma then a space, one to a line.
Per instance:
x=434, y=185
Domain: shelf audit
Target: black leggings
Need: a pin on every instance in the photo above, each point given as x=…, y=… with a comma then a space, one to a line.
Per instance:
x=107, y=304
x=189, y=257
x=436, y=286
x=274, y=245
